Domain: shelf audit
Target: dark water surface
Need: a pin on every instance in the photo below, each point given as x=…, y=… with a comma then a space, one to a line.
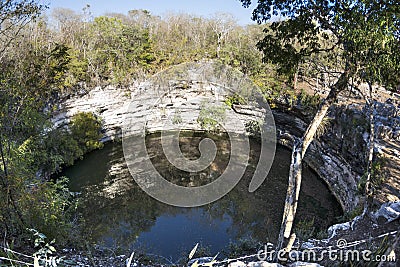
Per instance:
x=120, y=216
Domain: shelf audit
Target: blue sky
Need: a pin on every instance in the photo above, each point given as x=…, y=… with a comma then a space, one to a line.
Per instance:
x=160, y=7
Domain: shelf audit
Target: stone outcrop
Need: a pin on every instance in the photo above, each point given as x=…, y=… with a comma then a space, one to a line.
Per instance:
x=109, y=103
x=324, y=160
x=349, y=134
x=387, y=213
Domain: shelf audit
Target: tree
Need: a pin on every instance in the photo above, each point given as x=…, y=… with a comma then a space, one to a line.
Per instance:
x=222, y=25
x=116, y=50
x=14, y=15
x=364, y=38
x=69, y=25
x=33, y=73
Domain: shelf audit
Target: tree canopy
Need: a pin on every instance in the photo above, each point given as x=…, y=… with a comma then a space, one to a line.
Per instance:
x=363, y=34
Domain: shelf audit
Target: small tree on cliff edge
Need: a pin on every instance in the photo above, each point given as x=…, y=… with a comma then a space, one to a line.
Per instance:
x=363, y=36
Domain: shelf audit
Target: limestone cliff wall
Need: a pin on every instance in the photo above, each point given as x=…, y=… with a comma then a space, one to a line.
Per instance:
x=338, y=156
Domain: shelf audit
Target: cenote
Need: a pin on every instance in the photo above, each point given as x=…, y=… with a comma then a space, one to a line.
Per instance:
x=119, y=216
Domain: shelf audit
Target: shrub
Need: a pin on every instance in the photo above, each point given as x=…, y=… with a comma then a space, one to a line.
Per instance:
x=234, y=100
x=49, y=207
x=378, y=175
x=86, y=130
x=177, y=118
x=305, y=229
x=56, y=149
x=253, y=127
x=211, y=116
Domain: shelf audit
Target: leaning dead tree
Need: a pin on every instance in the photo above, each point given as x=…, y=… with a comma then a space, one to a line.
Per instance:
x=361, y=35
x=370, y=104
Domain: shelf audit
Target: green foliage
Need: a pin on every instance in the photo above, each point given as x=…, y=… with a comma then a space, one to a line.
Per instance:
x=33, y=72
x=117, y=50
x=44, y=256
x=57, y=148
x=308, y=101
x=211, y=116
x=273, y=86
x=177, y=119
x=52, y=151
x=40, y=71
x=378, y=175
x=242, y=53
x=253, y=127
x=77, y=69
x=46, y=206
x=234, y=99
x=86, y=130
x=305, y=229
x=49, y=208
x=41, y=63
x=40, y=243
x=361, y=36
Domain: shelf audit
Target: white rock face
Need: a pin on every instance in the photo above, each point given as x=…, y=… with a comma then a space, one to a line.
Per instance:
x=263, y=264
x=304, y=264
x=388, y=212
x=334, y=229
x=144, y=104
x=110, y=104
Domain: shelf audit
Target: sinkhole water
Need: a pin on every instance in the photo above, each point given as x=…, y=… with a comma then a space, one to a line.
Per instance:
x=119, y=216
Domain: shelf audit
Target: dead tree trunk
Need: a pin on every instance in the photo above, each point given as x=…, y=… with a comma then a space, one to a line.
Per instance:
x=368, y=185
x=300, y=147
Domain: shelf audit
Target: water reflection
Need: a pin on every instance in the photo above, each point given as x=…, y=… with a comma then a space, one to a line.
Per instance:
x=119, y=215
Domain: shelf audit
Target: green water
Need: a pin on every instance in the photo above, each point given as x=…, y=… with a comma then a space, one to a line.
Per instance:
x=119, y=216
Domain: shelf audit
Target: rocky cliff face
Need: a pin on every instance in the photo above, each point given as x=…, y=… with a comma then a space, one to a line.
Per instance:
x=388, y=146
x=323, y=159
x=110, y=104
x=349, y=134
x=339, y=156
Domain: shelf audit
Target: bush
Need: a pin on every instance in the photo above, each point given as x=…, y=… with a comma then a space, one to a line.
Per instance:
x=56, y=149
x=234, y=100
x=378, y=175
x=41, y=204
x=86, y=130
x=49, y=208
x=310, y=102
x=253, y=128
x=211, y=116
x=177, y=118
